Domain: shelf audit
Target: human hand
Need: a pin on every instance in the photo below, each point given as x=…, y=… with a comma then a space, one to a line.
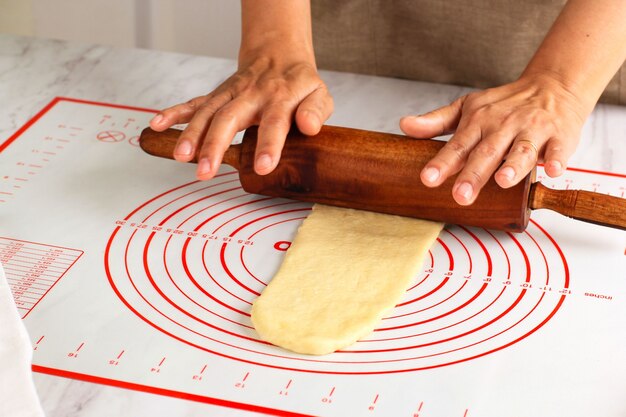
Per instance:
x=265, y=91
x=534, y=118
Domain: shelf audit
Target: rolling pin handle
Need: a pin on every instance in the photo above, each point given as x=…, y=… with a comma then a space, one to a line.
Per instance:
x=159, y=144
x=232, y=156
x=582, y=205
x=162, y=144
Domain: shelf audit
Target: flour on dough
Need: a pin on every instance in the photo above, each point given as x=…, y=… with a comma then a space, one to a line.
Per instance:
x=343, y=272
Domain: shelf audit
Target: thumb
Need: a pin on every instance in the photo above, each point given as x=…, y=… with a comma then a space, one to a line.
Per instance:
x=441, y=121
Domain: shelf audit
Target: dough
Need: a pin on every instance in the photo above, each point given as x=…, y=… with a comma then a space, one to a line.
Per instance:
x=343, y=272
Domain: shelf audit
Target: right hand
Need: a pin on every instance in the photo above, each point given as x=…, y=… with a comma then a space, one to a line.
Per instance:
x=268, y=91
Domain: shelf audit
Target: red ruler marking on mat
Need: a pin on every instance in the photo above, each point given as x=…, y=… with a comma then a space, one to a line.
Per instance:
x=33, y=269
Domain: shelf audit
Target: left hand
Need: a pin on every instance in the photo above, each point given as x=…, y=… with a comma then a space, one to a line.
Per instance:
x=532, y=119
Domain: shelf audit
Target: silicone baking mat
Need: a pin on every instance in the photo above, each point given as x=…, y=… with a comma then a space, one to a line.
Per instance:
x=130, y=273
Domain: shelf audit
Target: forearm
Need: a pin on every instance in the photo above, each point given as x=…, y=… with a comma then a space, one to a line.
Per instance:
x=281, y=28
x=584, y=48
x=276, y=84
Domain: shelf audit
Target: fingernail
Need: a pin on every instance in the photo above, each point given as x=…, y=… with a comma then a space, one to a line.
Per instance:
x=263, y=162
x=183, y=149
x=431, y=174
x=157, y=119
x=204, y=166
x=555, y=166
x=465, y=190
x=508, y=173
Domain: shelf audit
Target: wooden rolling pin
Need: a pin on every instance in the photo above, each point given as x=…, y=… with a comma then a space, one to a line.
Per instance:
x=381, y=172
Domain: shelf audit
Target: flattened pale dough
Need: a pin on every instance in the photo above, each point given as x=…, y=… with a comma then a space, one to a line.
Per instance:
x=344, y=270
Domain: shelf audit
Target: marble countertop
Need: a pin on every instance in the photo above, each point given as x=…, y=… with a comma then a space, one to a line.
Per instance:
x=33, y=71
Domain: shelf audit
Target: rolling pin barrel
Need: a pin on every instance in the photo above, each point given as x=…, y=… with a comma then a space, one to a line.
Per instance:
x=364, y=170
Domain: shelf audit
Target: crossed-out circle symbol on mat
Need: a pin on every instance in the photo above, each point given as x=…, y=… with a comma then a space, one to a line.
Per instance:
x=111, y=136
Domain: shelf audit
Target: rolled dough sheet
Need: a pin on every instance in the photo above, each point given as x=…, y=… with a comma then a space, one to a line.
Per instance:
x=343, y=272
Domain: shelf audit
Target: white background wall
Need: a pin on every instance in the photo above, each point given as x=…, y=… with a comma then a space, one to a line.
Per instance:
x=206, y=27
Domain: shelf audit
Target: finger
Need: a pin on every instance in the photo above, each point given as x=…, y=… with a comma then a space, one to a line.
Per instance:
x=230, y=119
x=273, y=129
x=314, y=110
x=441, y=121
x=482, y=161
x=192, y=135
x=557, y=153
x=520, y=160
x=451, y=158
x=180, y=113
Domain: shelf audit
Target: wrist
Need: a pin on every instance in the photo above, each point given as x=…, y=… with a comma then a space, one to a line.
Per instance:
x=278, y=49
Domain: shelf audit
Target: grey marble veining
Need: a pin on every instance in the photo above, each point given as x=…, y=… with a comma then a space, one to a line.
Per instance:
x=33, y=71
x=71, y=398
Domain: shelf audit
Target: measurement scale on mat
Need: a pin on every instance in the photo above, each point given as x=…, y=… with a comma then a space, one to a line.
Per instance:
x=32, y=269
x=154, y=275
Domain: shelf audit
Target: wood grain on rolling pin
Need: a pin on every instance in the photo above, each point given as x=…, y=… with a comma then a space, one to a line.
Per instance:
x=380, y=172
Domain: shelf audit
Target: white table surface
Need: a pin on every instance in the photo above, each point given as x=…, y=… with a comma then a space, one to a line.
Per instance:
x=33, y=71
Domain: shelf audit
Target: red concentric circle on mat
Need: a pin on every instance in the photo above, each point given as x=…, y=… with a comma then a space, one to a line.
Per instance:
x=191, y=261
